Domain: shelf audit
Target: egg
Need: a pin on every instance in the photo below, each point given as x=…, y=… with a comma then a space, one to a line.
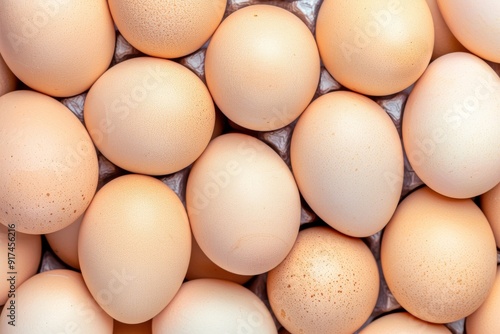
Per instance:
x=444, y=41
x=475, y=24
x=352, y=181
x=21, y=254
x=167, y=29
x=490, y=204
x=8, y=80
x=64, y=243
x=403, y=323
x=451, y=126
x=48, y=163
x=262, y=67
x=150, y=116
x=485, y=319
x=377, y=47
x=200, y=266
x=329, y=283
x=57, y=47
x=55, y=301
x=243, y=204
x=438, y=256
x=212, y=306
x=142, y=328
x=134, y=247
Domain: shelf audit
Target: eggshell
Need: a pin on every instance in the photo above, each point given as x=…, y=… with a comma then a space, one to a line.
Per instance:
x=211, y=306
x=150, y=116
x=451, y=126
x=134, y=247
x=438, y=256
x=475, y=24
x=142, y=328
x=403, y=323
x=200, y=266
x=444, y=41
x=348, y=162
x=48, y=163
x=262, y=67
x=377, y=47
x=167, y=29
x=490, y=204
x=243, y=204
x=64, y=243
x=485, y=319
x=55, y=301
x=329, y=283
x=57, y=47
x=8, y=80
x=21, y=254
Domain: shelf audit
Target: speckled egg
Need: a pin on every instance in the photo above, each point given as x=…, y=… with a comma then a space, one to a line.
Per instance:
x=167, y=29
x=329, y=283
x=48, y=163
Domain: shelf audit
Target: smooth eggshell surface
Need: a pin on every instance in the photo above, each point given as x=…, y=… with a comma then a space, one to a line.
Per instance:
x=438, y=256
x=134, y=247
x=25, y=251
x=48, y=163
x=451, y=126
x=167, y=29
x=150, y=116
x=243, y=204
x=8, y=80
x=377, y=47
x=490, y=204
x=329, y=283
x=57, y=47
x=211, y=306
x=55, y=301
x=475, y=24
x=348, y=162
x=444, y=41
x=64, y=243
x=485, y=319
x=403, y=323
x=262, y=67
